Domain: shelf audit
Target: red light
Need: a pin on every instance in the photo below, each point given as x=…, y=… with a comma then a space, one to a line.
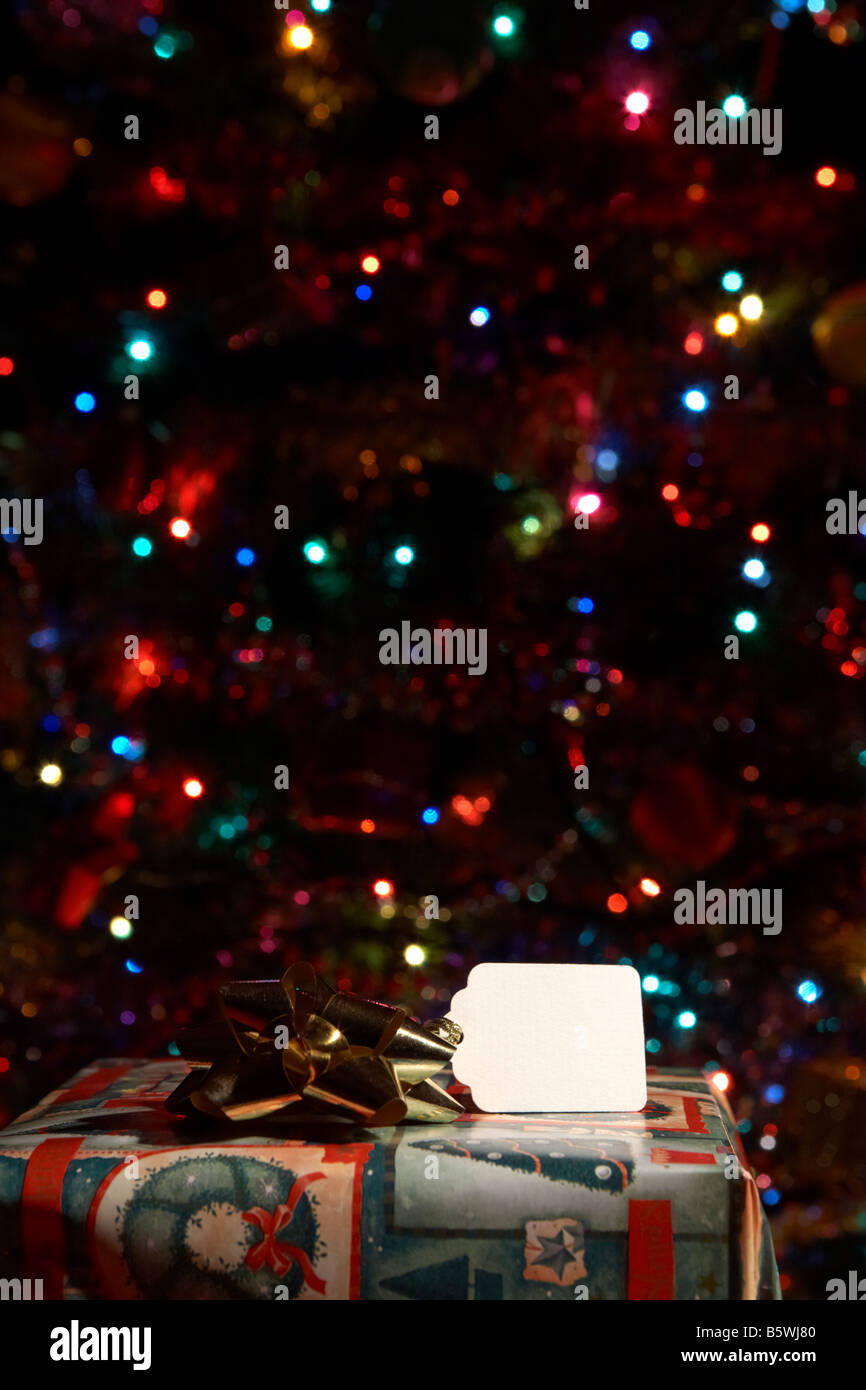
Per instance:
x=670, y=492
x=193, y=788
x=171, y=190
x=179, y=528
x=826, y=177
x=368, y=826
x=451, y=197
x=760, y=532
x=7, y=366
x=370, y=264
x=617, y=903
x=694, y=344
x=383, y=888
x=157, y=299
x=850, y=668
x=637, y=103
x=323, y=282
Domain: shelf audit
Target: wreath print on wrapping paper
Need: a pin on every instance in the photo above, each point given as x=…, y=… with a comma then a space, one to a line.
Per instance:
x=169, y=1214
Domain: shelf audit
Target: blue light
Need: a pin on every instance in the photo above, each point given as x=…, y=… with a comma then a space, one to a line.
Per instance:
x=771, y=1196
x=142, y=547
x=430, y=815
x=792, y=6
x=46, y=638
x=734, y=107
x=814, y=6
x=148, y=26
x=732, y=281
x=695, y=400
x=404, y=555
x=808, y=991
x=607, y=460
x=133, y=967
x=51, y=723
x=780, y=20
x=245, y=556
x=650, y=983
x=479, y=316
x=754, y=569
x=363, y=292
x=85, y=402
x=640, y=40
x=585, y=605
x=774, y=1094
x=120, y=745
x=686, y=1019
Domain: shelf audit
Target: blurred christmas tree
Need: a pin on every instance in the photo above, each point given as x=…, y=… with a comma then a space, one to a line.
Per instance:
x=434, y=391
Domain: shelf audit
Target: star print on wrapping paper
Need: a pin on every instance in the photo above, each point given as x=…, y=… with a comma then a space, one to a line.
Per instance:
x=555, y=1254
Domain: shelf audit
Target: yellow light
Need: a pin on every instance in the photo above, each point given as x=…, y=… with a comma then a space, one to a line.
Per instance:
x=120, y=927
x=727, y=324
x=649, y=887
x=414, y=955
x=51, y=775
x=752, y=307
x=300, y=36
x=721, y=1080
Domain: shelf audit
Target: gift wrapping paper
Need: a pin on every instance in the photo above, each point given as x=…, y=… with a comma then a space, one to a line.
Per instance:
x=104, y=1194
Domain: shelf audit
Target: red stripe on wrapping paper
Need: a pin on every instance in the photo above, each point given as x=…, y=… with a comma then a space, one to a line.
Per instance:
x=364, y=1151
x=693, y=1117
x=650, y=1252
x=90, y=1086
x=42, y=1231
x=679, y=1156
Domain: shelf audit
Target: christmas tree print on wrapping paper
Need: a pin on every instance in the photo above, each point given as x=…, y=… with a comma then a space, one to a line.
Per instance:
x=607, y=1169
x=213, y=1227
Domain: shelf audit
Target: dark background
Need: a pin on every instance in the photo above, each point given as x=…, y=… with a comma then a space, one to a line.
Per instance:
x=268, y=388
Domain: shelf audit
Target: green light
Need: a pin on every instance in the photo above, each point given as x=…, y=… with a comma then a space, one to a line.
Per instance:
x=142, y=546
x=316, y=552
x=164, y=46
x=264, y=624
x=503, y=25
x=140, y=349
x=531, y=525
x=745, y=621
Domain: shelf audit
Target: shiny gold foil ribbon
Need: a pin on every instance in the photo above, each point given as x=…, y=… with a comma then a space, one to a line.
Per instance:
x=296, y=1039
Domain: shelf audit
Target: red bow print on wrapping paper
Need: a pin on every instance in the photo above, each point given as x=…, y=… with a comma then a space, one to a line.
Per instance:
x=276, y=1254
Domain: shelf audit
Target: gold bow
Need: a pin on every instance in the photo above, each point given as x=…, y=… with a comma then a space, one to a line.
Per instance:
x=297, y=1039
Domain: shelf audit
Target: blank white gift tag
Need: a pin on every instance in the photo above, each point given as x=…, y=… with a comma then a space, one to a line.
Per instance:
x=559, y=1038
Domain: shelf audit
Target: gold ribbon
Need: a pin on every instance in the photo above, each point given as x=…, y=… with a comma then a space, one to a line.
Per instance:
x=317, y=1060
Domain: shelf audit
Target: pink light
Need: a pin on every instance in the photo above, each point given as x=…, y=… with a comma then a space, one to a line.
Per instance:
x=588, y=503
x=637, y=103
